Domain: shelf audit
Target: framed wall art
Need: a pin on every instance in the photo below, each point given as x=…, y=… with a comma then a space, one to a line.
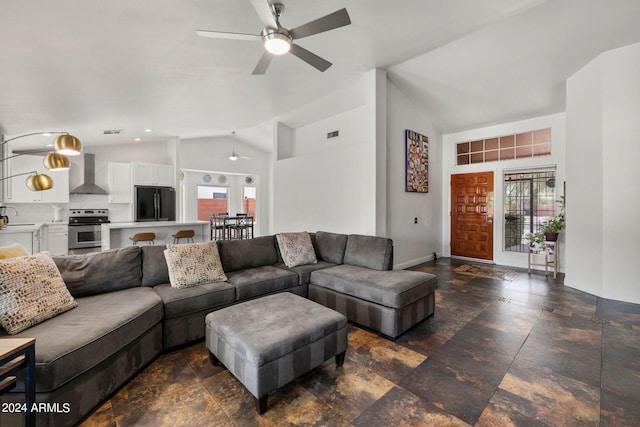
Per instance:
x=417, y=162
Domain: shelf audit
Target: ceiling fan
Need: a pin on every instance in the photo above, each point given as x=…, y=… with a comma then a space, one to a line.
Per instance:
x=278, y=40
x=235, y=156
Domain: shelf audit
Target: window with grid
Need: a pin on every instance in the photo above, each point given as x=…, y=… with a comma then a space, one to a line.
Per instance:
x=529, y=200
x=507, y=147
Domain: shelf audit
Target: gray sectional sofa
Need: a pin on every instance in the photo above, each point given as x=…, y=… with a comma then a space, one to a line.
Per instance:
x=128, y=313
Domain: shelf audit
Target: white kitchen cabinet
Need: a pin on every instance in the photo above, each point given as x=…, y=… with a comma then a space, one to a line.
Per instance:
x=55, y=239
x=152, y=174
x=120, y=187
x=17, y=191
x=27, y=236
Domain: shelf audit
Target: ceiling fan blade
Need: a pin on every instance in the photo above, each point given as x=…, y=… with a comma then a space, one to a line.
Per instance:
x=263, y=64
x=225, y=35
x=337, y=19
x=310, y=58
x=263, y=9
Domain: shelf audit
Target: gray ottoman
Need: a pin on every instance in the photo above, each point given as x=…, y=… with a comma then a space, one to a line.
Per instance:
x=270, y=341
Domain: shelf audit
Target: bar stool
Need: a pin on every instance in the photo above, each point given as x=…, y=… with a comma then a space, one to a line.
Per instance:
x=143, y=237
x=183, y=234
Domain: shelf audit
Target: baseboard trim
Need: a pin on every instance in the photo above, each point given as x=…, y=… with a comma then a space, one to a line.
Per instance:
x=414, y=262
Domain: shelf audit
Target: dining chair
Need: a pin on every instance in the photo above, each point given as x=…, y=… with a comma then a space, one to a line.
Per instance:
x=217, y=227
x=240, y=226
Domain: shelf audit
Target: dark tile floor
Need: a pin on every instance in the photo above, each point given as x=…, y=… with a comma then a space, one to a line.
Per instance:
x=523, y=351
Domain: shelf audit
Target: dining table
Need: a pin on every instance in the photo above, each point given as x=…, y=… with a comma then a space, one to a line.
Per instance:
x=231, y=227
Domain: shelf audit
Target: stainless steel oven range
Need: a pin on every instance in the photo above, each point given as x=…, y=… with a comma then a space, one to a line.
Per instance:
x=84, y=230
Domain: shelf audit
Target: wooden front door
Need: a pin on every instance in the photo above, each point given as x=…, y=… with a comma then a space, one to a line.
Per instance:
x=472, y=215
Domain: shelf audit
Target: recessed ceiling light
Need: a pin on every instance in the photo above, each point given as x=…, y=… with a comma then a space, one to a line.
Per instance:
x=136, y=139
x=147, y=130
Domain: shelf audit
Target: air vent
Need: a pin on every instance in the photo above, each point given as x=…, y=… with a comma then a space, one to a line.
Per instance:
x=333, y=134
x=112, y=131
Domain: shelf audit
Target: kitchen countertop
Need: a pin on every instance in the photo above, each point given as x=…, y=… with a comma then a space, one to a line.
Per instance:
x=147, y=224
x=21, y=227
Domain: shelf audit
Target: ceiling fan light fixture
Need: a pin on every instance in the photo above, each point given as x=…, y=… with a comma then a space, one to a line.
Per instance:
x=277, y=43
x=233, y=157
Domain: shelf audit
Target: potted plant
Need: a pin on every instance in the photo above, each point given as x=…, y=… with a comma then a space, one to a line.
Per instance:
x=554, y=226
x=535, y=239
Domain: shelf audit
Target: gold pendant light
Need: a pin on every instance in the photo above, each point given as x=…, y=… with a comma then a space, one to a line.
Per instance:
x=56, y=162
x=64, y=145
x=68, y=145
x=39, y=182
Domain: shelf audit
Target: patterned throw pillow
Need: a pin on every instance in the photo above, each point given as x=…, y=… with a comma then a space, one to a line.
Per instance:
x=13, y=251
x=192, y=264
x=296, y=249
x=31, y=290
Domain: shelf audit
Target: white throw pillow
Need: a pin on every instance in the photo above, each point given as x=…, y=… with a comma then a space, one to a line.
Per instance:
x=296, y=249
x=31, y=291
x=193, y=264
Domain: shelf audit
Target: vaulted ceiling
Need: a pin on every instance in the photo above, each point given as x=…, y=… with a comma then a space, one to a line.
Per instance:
x=87, y=66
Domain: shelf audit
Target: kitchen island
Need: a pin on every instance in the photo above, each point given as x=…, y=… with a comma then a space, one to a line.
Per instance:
x=117, y=234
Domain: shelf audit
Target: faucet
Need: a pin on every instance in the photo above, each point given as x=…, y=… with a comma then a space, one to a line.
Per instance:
x=15, y=211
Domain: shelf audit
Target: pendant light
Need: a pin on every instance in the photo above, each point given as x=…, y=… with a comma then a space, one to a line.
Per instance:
x=68, y=145
x=56, y=162
x=39, y=182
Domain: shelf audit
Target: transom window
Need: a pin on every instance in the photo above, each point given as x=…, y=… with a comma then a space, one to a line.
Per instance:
x=536, y=143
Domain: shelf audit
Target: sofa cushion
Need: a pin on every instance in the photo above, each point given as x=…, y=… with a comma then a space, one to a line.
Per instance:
x=330, y=246
x=258, y=281
x=304, y=271
x=180, y=302
x=242, y=254
x=393, y=288
x=369, y=251
x=296, y=249
x=154, y=265
x=13, y=251
x=78, y=340
x=31, y=291
x=100, y=272
x=193, y=264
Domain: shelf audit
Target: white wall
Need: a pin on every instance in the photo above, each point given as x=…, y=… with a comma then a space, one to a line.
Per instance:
x=413, y=243
x=327, y=184
x=584, y=180
x=557, y=124
x=603, y=106
x=325, y=191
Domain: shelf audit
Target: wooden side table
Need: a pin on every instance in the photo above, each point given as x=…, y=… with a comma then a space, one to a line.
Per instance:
x=19, y=354
x=550, y=252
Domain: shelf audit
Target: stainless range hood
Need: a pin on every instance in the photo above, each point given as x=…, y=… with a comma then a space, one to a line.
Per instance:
x=89, y=186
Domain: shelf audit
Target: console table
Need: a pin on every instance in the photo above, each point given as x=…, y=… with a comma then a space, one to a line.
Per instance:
x=19, y=354
x=550, y=252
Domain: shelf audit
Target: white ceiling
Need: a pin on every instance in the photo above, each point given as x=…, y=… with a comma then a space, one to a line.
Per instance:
x=86, y=66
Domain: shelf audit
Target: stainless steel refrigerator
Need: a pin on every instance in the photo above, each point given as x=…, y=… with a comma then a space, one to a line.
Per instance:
x=155, y=203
